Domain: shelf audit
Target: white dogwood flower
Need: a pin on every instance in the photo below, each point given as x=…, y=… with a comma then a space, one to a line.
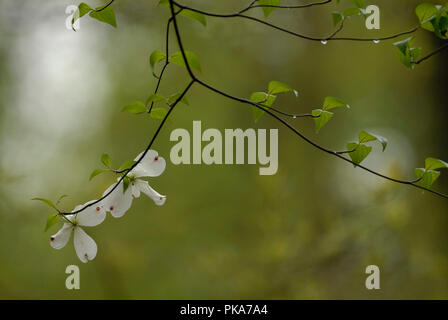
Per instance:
x=85, y=246
x=119, y=201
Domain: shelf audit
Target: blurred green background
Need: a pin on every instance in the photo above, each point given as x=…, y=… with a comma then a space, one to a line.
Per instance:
x=307, y=232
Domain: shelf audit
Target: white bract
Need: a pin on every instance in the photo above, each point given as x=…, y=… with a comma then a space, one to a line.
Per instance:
x=85, y=246
x=119, y=201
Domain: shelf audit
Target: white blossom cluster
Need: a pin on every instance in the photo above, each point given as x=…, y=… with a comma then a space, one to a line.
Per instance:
x=116, y=203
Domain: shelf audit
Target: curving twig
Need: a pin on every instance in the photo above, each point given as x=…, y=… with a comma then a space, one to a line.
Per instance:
x=269, y=110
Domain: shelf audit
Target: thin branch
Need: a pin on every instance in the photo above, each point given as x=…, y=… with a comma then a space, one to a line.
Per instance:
x=291, y=115
x=445, y=46
x=285, y=123
x=334, y=153
x=300, y=6
x=103, y=8
x=167, y=43
x=141, y=157
x=302, y=36
x=271, y=111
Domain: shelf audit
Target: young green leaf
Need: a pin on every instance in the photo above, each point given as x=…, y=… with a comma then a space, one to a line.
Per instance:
x=351, y=12
x=427, y=177
x=126, y=165
x=332, y=102
x=358, y=3
x=126, y=182
x=270, y=6
x=83, y=9
x=433, y=164
x=97, y=172
x=106, y=15
x=158, y=113
x=52, y=219
x=105, y=159
x=135, y=108
x=195, y=16
x=365, y=136
x=359, y=153
x=337, y=17
x=47, y=202
x=155, y=57
x=405, y=53
x=60, y=198
x=425, y=13
x=321, y=118
x=276, y=87
x=172, y=98
x=192, y=59
x=264, y=99
x=155, y=98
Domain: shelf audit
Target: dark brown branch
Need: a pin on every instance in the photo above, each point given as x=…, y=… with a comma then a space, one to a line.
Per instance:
x=285, y=123
x=104, y=7
x=445, y=46
x=142, y=155
x=293, y=33
x=270, y=111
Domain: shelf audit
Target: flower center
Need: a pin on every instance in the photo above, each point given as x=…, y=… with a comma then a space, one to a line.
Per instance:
x=112, y=208
x=156, y=158
x=98, y=208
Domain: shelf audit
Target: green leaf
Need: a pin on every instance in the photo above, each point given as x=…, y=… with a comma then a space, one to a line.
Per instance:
x=428, y=177
x=105, y=159
x=321, y=118
x=360, y=152
x=97, y=172
x=405, y=53
x=337, y=17
x=365, y=136
x=351, y=12
x=263, y=99
x=52, y=219
x=126, y=182
x=60, y=198
x=268, y=10
x=158, y=113
x=48, y=202
x=194, y=15
x=426, y=12
x=192, y=59
x=331, y=103
x=126, y=165
x=433, y=164
x=155, y=98
x=172, y=98
x=358, y=3
x=135, y=108
x=155, y=57
x=403, y=45
x=276, y=87
x=83, y=9
x=107, y=16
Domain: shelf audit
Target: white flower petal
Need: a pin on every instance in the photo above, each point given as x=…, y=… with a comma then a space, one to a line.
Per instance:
x=85, y=246
x=150, y=192
x=150, y=166
x=117, y=203
x=134, y=190
x=91, y=216
x=60, y=239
